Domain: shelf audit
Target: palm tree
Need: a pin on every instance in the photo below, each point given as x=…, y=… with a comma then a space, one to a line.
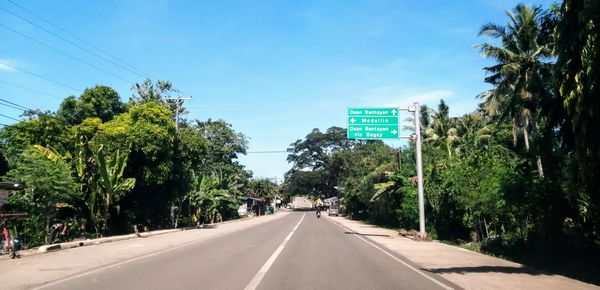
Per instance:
x=521, y=72
x=440, y=131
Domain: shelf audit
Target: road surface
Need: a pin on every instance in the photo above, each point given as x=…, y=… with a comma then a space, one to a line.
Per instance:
x=297, y=251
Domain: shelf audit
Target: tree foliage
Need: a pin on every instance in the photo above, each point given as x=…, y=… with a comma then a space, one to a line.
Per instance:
x=100, y=101
x=82, y=163
x=49, y=187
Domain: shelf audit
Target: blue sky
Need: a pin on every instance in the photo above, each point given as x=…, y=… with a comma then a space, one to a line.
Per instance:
x=273, y=69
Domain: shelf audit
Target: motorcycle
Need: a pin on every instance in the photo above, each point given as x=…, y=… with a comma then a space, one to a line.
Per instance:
x=318, y=214
x=59, y=231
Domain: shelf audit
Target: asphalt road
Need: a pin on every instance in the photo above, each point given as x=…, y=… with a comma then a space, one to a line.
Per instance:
x=298, y=251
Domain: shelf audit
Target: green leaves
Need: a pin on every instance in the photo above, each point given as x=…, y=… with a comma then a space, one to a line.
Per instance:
x=112, y=184
x=49, y=184
x=100, y=101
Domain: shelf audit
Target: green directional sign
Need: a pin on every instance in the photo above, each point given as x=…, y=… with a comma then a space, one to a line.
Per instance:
x=373, y=131
x=373, y=123
x=372, y=112
x=372, y=120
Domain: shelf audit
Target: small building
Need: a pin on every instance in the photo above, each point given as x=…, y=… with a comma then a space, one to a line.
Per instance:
x=253, y=206
x=331, y=201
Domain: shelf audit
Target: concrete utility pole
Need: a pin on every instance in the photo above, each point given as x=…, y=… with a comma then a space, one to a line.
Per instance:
x=177, y=108
x=422, y=232
x=416, y=109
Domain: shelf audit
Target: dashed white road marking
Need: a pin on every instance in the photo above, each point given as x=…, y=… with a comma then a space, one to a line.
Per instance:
x=265, y=268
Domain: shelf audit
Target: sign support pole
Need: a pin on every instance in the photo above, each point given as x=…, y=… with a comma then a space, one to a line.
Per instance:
x=422, y=232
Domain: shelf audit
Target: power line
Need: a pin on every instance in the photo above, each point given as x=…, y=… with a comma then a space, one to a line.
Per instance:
x=73, y=43
x=79, y=38
x=41, y=77
x=65, y=54
x=9, y=117
x=22, y=107
x=29, y=89
x=11, y=106
x=265, y=152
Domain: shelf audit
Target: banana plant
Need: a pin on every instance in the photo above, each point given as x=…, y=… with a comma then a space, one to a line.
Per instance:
x=207, y=198
x=52, y=153
x=111, y=183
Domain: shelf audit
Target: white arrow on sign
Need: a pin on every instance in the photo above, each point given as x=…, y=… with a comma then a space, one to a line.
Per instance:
x=352, y=120
x=394, y=132
x=394, y=112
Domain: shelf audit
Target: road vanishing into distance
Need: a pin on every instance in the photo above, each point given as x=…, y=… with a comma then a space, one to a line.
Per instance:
x=295, y=251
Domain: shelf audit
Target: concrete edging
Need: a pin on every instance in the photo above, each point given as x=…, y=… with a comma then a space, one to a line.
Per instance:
x=75, y=244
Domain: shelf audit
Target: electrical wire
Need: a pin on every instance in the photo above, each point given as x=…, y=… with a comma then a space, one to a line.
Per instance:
x=41, y=77
x=79, y=39
x=9, y=117
x=65, y=54
x=30, y=89
x=73, y=43
x=11, y=106
x=14, y=104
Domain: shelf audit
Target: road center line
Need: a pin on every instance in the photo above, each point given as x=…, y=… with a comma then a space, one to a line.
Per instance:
x=395, y=258
x=265, y=268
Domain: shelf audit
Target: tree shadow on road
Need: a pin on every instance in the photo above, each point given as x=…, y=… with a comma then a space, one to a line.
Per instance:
x=487, y=269
x=368, y=235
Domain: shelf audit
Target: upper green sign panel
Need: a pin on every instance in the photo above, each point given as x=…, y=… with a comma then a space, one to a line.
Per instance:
x=372, y=112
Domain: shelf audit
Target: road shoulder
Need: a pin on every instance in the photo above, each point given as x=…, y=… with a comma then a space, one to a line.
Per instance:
x=467, y=269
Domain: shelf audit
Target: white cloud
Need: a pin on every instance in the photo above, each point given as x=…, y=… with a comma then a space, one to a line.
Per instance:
x=397, y=96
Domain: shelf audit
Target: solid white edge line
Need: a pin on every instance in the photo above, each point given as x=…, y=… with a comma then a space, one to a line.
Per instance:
x=396, y=258
x=265, y=268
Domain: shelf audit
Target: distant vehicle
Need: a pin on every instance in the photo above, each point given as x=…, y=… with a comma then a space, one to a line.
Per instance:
x=334, y=210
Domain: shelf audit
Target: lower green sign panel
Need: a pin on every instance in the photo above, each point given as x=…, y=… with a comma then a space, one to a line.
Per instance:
x=372, y=132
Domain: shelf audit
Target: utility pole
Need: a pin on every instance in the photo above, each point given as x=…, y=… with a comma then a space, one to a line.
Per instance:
x=419, y=171
x=178, y=102
x=416, y=109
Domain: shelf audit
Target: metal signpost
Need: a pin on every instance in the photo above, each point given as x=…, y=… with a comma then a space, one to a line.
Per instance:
x=382, y=123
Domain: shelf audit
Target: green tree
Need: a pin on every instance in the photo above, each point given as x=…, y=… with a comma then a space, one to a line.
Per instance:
x=312, y=169
x=262, y=188
x=49, y=186
x=42, y=128
x=224, y=145
x=100, y=101
x=162, y=92
x=521, y=73
x=147, y=91
x=147, y=134
x=578, y=51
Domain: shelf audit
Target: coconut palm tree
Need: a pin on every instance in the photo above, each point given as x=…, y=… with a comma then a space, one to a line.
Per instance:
x=520, y=75
x=440, y=132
